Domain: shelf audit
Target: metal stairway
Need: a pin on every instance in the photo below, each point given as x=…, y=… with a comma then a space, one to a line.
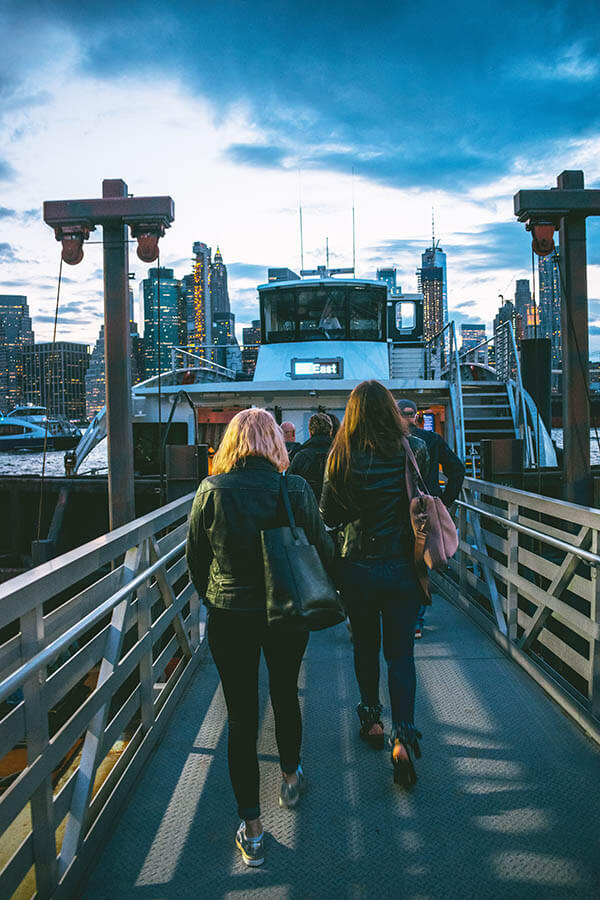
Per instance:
x=487, y=413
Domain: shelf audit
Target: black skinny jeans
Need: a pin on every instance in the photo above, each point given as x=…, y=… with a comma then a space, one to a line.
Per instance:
x=235, y=640
x=376, y=592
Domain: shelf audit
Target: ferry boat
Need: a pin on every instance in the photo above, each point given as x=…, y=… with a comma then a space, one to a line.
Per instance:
x=29, y=427
x=320, y=336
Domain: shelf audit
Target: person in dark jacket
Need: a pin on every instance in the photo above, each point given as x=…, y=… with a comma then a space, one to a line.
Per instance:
x=364, y=492
x=289, y=435
x=440, y=454
x=309, y=461
x=231, y=508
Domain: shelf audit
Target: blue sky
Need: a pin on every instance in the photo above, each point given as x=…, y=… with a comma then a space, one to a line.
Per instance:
x=455, y=106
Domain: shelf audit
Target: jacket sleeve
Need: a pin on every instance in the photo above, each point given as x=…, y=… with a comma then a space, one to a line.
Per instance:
x=454, y=471
x=198, y=550
x=314, y=528
x=299, y=464
x=333, y=511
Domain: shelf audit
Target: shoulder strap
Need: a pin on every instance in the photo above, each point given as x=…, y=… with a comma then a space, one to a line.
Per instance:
x=410, y=457
x=288, y=506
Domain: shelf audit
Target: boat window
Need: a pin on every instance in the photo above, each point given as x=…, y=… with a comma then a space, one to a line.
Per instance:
x=280, y=316
x=322, y=313
x=7, y=428
x=365, y=315
x=406, y=315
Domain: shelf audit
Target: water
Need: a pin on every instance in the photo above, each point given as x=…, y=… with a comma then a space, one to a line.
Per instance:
x=26, y=463
x=557, y=437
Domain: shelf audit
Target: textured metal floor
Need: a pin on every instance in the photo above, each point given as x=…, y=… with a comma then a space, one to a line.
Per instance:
x=506, y=806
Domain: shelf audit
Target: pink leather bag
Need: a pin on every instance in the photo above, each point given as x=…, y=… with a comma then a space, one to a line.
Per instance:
x=436, y=538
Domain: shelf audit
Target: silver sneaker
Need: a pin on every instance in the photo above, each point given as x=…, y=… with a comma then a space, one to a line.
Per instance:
x=252, y=849
x=289, y=794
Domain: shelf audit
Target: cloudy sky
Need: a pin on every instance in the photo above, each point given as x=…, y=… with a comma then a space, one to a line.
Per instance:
x=236, y=108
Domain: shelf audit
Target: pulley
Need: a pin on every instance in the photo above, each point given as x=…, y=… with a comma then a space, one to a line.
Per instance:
x=72, y=237
x=542, y=237
x=147, y=236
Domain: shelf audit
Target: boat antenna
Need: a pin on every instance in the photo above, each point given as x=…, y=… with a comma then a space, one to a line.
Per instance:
x=353, y=229
x=300, y=216
x=327, y=252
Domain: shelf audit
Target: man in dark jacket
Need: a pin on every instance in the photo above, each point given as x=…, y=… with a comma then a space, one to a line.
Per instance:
x=440, y=454
x=309, y=461
x=289, y=436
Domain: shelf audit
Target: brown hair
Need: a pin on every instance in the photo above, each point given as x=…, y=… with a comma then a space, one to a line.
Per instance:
x=320, y=423
x=252, y=432
x=372, y=422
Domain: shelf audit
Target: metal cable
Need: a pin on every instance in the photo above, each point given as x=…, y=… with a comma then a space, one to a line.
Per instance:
x=41, y=503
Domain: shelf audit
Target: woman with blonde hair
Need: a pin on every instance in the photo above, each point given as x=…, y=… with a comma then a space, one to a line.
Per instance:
x=364, y=493
x=231, y=508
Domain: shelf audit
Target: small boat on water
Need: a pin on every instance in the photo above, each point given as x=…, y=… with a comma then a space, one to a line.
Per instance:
x=28, y=427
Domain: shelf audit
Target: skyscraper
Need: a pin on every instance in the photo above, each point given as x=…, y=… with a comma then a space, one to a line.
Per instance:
x=550, y=300
x=219, y=295
x=55, y=377
x=172, y=319
x=389, y=277
x=16, y=335
x=251, y=339
x=197, y=301
x=473, y=336
x=526, y=309
x=95, y=379
x=502, y=344
x=281, y=274
x=223, y=333
x=432, y=283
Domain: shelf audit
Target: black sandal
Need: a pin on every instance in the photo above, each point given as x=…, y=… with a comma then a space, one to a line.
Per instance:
x=405, y=736
x=369, y=716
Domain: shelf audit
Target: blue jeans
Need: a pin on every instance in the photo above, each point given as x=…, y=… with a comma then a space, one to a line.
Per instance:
x=384, y=592
x=421, y=616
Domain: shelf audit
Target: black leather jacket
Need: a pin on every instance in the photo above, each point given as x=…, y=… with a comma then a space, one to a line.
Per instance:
x=229, y=512
x=373, y=507
x=309, y=461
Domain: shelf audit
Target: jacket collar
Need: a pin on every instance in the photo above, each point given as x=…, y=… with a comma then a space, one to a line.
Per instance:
x=256, y=462
x=321, y=441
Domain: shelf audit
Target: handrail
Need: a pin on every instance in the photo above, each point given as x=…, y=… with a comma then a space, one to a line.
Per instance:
x=454, y=377
x=586, y=555
x=17, y=679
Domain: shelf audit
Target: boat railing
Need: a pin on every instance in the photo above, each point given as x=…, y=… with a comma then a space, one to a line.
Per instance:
x=528, y=570
x=442, y=361
x=96, y=648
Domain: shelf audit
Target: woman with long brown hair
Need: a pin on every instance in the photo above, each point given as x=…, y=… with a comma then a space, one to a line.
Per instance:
x=365, y=493
x=238, y=501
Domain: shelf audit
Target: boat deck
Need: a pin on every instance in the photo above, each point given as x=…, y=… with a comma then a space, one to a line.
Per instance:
x=506, y=805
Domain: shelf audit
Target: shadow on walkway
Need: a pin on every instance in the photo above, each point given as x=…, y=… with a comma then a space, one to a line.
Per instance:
x=506, y=805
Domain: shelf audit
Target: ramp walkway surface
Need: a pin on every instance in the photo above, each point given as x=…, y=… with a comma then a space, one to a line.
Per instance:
x=507, y=803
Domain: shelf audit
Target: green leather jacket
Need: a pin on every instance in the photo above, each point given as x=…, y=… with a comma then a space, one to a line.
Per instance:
x=229, y=512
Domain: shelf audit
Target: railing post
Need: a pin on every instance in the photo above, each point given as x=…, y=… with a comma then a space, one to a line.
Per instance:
x=462, y=554
x=512, y=564
x=594, y=682
x=37, y=738
x=144, y=624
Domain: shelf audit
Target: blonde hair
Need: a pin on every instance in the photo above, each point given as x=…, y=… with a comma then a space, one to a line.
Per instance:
x=252, y=432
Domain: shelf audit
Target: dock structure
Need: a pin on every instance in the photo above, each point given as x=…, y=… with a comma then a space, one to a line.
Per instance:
x=112, y=714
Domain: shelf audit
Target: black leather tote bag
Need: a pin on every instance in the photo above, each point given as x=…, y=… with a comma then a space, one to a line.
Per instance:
x=300, y=593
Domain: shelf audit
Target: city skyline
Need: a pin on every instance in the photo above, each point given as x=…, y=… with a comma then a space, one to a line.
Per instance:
x=226, y=132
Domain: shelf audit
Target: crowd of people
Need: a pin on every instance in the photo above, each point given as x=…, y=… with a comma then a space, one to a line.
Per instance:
x=347, y=490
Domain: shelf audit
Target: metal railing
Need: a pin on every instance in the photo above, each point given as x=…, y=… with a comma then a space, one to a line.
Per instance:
x=528, y=569
x=441, y=361
x=96, y=647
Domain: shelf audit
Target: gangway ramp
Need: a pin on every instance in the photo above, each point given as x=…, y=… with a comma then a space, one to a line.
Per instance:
x=506, y=805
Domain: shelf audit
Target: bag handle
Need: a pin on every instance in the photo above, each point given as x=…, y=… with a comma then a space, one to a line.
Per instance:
x=413, y=461
x=288, y=505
